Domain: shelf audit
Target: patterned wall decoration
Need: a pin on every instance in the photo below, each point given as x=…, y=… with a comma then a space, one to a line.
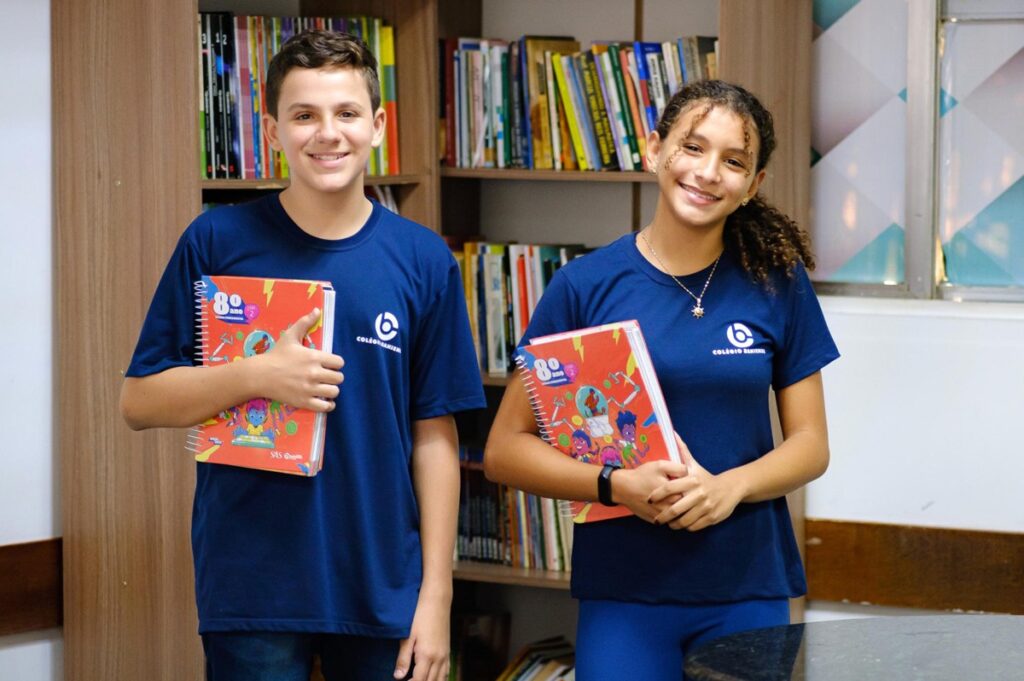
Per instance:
x=981, y=153
x=858, y=114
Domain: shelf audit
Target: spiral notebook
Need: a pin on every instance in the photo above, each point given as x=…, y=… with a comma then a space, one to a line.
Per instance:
x=596, y=398
x=239, y=317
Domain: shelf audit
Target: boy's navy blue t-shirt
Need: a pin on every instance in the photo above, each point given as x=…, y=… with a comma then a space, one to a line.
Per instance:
x=715, y=373
x=339, y=552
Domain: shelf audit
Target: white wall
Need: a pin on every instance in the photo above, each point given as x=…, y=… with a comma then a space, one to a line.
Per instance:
x=926, y=414
x=29, y=481
x=926, y=417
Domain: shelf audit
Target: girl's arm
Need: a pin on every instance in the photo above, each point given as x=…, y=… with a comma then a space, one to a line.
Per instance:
x=517, y=456
x=803, y=456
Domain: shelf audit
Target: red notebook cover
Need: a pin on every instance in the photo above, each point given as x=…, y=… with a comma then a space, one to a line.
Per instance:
x=239, y=317
x=596, y=398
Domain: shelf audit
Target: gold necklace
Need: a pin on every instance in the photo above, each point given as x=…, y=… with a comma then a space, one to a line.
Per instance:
x=698, y=309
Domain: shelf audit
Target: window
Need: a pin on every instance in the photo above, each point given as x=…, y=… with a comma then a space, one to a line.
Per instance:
x=917, y=178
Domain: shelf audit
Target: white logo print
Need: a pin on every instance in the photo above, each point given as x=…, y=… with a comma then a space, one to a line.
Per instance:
x=386, y=326
x=739, y=335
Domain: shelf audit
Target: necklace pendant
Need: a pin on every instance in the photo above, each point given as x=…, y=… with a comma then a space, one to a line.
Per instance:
x=698, y=311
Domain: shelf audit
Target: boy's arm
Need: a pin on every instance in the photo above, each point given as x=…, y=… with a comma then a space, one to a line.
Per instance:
x=435, y=471
x=183, y=396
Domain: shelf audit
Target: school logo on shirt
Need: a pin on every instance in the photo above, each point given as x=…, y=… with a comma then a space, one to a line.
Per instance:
x=741, y=338
x=739, y=335
x=386, y=328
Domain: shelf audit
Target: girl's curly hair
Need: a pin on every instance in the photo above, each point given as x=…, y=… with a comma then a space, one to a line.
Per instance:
x=759, y=235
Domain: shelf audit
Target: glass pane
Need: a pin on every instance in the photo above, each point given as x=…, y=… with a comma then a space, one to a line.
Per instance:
x=981, y=153
x=858, y=133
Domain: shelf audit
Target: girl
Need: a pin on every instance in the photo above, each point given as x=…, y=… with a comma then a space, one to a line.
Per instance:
x=717, y=281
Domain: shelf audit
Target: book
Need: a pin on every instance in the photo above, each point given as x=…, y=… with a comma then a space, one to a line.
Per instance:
x=596, y=398
x=239, y=317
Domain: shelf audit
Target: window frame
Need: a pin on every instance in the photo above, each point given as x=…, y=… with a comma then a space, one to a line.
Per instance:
x=922, y=250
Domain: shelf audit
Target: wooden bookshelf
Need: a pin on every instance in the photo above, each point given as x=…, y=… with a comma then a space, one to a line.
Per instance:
x=549, y=175
x=259, y=185
x=471, y=571
x=128, y=587
x=496, y=381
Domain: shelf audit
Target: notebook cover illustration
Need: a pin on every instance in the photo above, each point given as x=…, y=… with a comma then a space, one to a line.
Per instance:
x=596, y=398
x=238, y=317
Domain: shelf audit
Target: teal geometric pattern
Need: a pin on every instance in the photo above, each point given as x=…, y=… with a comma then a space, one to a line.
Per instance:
x=828, y=12
x=858, y=140
x=989, y=250
x=946, y=101
x=981, y=154
x=881, y=261
x=966, y=264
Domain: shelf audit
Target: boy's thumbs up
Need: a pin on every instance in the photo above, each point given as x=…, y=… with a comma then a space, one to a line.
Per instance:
x=302, y=326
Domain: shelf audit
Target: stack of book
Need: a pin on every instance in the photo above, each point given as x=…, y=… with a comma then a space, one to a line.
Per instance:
x=234, y=53
x=543, y=103
x=503, y=282
x=503, y=525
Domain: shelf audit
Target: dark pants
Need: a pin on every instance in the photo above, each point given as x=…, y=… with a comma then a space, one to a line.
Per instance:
x=272, y=656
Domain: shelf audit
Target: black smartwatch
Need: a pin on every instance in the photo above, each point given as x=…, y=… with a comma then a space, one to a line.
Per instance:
x=604, y=484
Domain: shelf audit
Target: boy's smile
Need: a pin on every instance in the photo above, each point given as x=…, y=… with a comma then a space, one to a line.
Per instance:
x=325, y=127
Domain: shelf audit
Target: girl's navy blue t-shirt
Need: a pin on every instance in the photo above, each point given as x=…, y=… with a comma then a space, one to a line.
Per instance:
x=715, y=373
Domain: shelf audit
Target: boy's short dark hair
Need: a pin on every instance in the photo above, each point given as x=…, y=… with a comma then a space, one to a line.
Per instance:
x=319, y=49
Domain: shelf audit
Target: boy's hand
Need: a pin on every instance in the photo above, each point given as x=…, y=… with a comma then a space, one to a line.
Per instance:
x=294, y=374
x=429, y=644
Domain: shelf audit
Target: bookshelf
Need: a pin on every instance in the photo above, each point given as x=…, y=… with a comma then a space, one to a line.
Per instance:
x=124, y=101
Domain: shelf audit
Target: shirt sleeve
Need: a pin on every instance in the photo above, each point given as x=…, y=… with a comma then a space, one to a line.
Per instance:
x=168, y=332
x=808, y=344
x=445, y=373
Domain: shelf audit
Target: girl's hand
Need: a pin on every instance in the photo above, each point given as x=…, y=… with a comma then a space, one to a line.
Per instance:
x=633, y=487
x=696, y=501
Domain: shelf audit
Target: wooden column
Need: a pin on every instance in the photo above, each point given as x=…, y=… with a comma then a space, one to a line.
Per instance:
x=766, y=47
x=126, y=183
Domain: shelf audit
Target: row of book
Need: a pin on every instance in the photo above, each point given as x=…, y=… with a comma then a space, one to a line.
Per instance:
x=503, y=282
x=543, y=103
x=234, y=53
x=503, y=525
x=480, y=644
x=551, y=659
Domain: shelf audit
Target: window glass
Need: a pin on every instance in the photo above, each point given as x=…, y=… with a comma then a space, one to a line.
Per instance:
x=981, y=151
x=858, y=139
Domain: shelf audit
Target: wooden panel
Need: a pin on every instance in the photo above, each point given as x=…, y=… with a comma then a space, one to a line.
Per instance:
x=916, y=567
x=126, y=182
x=766, y=47
x=30, y=592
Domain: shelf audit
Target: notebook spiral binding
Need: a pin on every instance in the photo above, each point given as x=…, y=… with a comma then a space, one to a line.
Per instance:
x=194, y=438
x=535, y=403
x=543, y=422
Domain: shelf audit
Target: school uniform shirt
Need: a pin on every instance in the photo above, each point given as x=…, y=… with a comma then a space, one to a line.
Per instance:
x=715, y=373
x=338, y=552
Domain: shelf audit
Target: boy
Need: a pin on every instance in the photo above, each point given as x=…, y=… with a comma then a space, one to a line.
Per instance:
x=355, y=563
